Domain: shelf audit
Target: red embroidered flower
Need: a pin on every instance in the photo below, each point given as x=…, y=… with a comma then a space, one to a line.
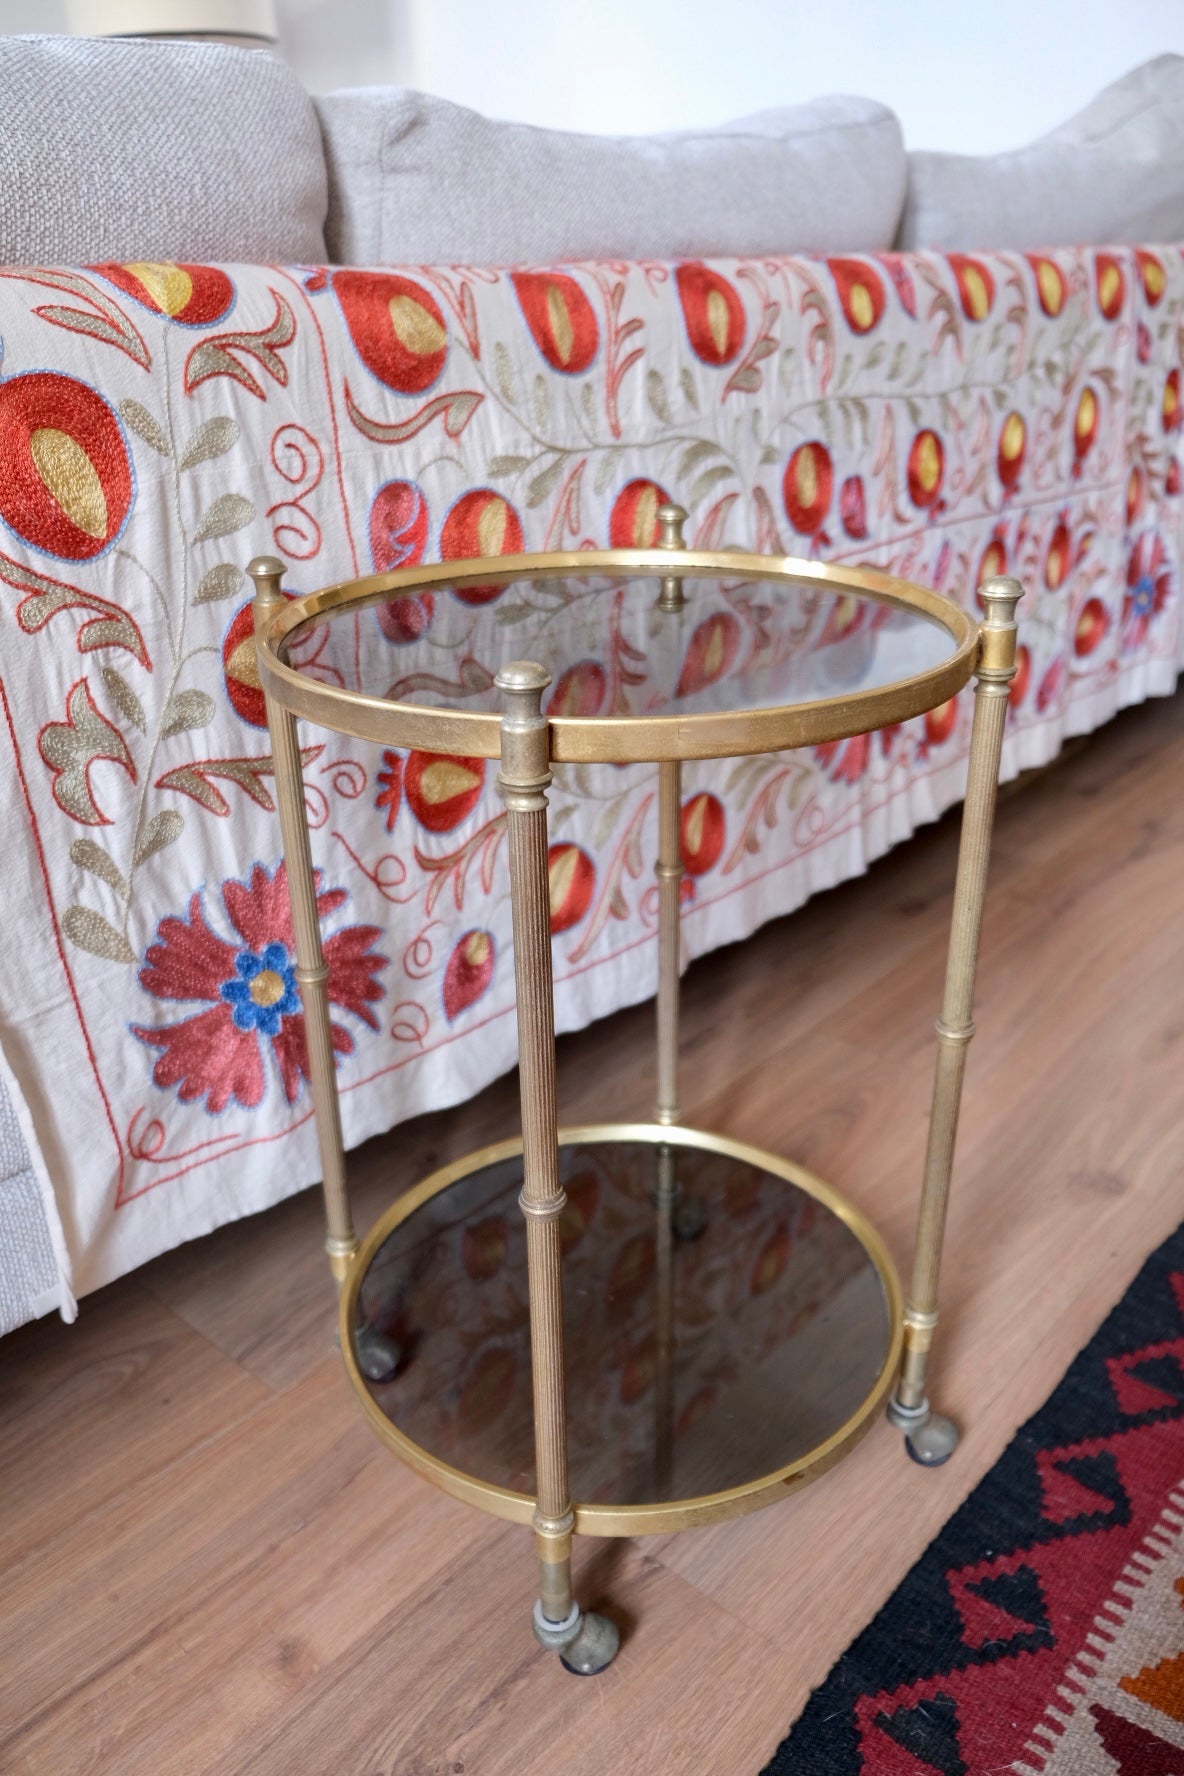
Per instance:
x=390, y=793
x=1049, y=692
x=250, y=987
x=1148, y=588
x=845, y=761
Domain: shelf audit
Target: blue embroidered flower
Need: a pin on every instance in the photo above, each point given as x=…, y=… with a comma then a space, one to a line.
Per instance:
x=243, y=991
x=263, y=989
x=1143, y=596
x=1150, y=585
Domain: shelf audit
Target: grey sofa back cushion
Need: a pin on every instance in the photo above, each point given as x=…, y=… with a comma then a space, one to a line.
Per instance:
x=133, y=150
x=417, y=180
x=1112, y=173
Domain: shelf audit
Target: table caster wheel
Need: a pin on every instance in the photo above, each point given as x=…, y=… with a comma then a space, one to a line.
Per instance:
x=594, y=1647
x=585, y=1643
x=689, y=1220
x=933, y=1442
x=378, y=1356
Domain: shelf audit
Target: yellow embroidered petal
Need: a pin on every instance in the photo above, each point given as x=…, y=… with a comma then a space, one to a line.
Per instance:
x=416, y=330
x=71, y=477
x=562, y=331
x=169, y=287
x=491, y=528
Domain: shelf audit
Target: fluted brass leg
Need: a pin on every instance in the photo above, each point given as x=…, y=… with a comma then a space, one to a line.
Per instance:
x=667, y=1197
x=311, y=972
x=669, y=873
x=932, y=1438
x=585, y=1643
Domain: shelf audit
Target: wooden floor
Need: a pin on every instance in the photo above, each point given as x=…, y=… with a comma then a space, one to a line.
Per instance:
x=208, y=1563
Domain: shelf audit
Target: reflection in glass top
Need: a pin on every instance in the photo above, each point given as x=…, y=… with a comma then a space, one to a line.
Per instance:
x=720, y=1323
x=611, y=649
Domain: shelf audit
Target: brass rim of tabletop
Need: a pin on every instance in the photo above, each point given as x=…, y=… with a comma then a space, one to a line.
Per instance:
x=638, y=1519
x=622, y=739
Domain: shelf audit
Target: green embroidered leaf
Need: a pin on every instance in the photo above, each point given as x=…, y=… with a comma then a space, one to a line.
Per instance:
x=455, y=410
x=541, y=404
x=212, y=439
x=228, y=513
x=507, y=465
x=160, y=831
x=706, y=481
x=108, y=325
x=144, y=426
x=544, y=481
x=747, y=379
x=89, y=856
x=107, y=626
x=191, y=783
x=219, y=582
x=108, y=632
x=73, y=747
x=655, y=394
x=686, y=383
x=91, y=932
x=187, y=709
x=606, y=468
x=196, y=778
x=512, y=613
x=214, y=357
x=697, y=453
x=124, y=698
x=503, y=366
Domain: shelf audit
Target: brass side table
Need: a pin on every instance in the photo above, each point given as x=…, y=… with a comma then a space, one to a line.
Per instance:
x=732, y=1325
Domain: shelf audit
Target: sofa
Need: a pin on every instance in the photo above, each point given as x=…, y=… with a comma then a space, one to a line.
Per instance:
x=315, y=347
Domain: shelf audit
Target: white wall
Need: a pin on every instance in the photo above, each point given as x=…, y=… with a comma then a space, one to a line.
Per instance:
x=32, y=15
x=973, y=76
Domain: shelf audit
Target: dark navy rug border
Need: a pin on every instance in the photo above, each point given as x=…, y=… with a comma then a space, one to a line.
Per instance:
x=917, y=1634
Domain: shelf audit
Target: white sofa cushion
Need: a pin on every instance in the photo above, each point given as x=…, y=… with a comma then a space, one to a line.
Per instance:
x=133, y=150
x=415, y=179
x=1114, y=172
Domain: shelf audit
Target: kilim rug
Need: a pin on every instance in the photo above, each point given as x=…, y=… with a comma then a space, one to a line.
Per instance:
x=1042, y=1632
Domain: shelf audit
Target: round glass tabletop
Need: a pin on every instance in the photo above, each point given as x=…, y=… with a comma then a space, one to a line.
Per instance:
x=730, y=1327
x=649, y=657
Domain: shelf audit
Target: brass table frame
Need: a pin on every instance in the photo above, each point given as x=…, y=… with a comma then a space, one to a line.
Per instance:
x=527, y=742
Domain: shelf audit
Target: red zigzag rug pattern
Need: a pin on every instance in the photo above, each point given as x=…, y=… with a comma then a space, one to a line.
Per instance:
x=1042, y=1632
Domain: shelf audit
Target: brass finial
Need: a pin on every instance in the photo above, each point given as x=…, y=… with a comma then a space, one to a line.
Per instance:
x=671, y=519
x=1000, y=595
x=997, y=632
x=523, y=683
x=267, y=574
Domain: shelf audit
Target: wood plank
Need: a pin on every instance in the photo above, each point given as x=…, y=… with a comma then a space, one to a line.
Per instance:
x=234, y=1574
x=86, y=1410
x=468, y=1689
